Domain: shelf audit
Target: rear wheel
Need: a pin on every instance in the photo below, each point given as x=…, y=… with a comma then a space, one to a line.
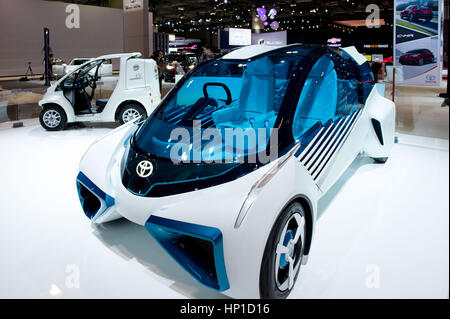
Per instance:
x=283, y=253
x=131, y=112
x=53, y=118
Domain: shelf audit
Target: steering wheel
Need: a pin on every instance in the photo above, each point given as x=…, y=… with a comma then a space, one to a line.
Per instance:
x=226, y=88
x=91, y=81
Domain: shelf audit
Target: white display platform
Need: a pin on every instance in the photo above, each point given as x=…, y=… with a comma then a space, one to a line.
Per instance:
x=383, y=231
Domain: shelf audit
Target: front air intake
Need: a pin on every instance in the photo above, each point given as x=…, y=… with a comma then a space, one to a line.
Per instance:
x=89, y=202
x=198, y=249
x=93, y=200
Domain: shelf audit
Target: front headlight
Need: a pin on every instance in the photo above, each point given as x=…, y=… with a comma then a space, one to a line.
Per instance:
x=260, y=183
x=191, y=66
x=169, y=67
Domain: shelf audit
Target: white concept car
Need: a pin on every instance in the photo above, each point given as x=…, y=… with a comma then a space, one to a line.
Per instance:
x=240, y=216
x=71, y=99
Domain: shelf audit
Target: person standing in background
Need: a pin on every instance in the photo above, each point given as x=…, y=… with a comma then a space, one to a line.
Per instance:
x=206, y=55
x=158, y=56
x=376, y=67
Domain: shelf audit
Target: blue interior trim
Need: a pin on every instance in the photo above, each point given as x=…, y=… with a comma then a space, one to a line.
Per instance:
x=158, y=227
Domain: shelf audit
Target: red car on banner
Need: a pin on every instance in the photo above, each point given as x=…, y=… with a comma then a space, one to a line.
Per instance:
x=417, y=57
x=414, y=13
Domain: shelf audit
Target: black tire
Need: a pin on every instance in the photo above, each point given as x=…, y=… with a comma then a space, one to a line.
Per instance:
x=380, y=160
x=53, y=118
x=269, y=285
x=124, y=111
x=412, y=18
x=421, y=61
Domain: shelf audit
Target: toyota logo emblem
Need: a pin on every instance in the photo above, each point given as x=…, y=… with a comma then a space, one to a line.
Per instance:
x=144, y=169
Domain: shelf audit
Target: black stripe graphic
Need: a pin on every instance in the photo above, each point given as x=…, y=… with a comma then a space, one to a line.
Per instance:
x=326, y=144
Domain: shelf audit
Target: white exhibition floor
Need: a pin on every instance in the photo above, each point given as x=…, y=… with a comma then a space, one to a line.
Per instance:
x=383, y=231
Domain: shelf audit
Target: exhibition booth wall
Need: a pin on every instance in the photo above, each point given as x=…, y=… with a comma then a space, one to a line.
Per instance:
x=100, y=31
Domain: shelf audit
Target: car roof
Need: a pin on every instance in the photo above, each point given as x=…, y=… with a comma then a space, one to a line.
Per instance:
x=251, y=51
x=120, y=55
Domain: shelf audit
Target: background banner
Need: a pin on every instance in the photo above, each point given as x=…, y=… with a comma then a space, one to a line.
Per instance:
x=417, y=41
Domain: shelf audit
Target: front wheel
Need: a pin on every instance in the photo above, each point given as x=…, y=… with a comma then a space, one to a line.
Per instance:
x=131, y=112
x=53, y=118
x=283, y=253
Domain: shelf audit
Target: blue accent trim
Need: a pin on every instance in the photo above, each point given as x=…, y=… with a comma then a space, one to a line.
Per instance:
x=289, y=235
x=127, y=140
x=165, y=230
x=86, y=182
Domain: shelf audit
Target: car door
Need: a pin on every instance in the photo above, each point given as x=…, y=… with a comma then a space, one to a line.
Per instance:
x=327, y=112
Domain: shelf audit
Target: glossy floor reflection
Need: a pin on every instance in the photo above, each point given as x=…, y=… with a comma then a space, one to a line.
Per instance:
x=419, y=111
x=382, y=232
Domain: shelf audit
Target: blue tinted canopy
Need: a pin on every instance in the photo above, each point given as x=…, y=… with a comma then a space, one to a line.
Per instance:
x=249, y=97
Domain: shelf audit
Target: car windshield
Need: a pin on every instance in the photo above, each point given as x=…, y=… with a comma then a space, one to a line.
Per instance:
x=82, y=71
x=223, y=98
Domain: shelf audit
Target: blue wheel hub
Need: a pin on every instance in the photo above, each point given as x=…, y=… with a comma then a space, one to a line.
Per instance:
x=289, y=235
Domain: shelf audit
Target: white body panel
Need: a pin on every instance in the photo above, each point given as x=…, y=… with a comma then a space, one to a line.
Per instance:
x=145, y=92
x=363, y=138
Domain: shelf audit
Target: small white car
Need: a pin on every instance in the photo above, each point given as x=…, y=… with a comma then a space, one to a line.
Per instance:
x=235, y=221
x=71, y=99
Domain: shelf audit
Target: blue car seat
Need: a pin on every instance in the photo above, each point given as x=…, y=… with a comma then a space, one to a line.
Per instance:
x=256, y=103
x=318, y=100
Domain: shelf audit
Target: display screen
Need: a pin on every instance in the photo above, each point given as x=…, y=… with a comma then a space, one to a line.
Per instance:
x=240, y=36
